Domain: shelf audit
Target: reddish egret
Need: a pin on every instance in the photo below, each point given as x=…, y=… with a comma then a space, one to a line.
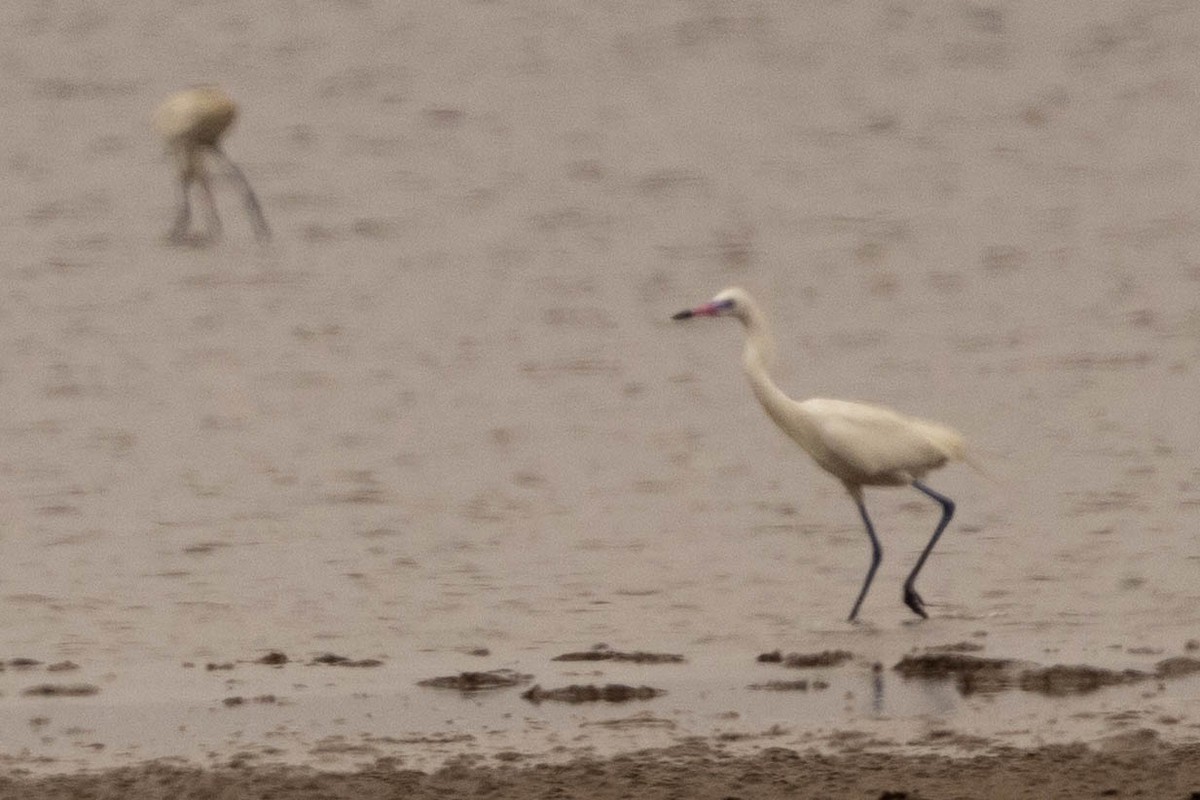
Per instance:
x=859, y=444
x=192, y=122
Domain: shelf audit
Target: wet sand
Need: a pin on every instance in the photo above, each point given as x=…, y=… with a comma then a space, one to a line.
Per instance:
x=1070, y=773
x=442, y=423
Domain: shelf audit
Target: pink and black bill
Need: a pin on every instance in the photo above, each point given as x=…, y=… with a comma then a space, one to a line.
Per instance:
x=706, y=310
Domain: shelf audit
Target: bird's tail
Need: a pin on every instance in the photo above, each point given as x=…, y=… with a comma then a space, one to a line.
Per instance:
x=955, y=447
x=971, y=461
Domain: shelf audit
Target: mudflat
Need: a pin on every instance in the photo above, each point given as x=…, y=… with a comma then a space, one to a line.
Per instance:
x=324, y=514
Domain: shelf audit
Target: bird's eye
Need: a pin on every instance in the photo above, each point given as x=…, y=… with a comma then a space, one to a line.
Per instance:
x=725, y=305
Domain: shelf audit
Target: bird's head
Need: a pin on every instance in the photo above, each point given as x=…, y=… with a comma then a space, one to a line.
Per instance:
x=731, y=302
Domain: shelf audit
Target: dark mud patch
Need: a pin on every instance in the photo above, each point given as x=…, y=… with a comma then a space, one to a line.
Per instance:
x=602, y=652
x=238, y=700
x=20, y=663
x=826, y=658
x=609, y=693
x=334, y=660
x=946, y=665
x=1177, y=667
x=278, y=658
x=789, y=686
x=478, y=681
x=975, y=674
x=971, y=674
x=955, y=647
x=1062, y=680
x=61, y=690
x=28, y=664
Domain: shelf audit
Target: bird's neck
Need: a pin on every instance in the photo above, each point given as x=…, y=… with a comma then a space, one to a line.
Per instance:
x=757, y=358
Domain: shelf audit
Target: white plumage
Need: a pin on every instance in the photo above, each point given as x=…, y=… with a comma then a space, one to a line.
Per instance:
x=858, y=443
x=192, y=123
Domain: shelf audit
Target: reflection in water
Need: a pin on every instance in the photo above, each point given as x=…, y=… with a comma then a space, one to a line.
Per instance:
x=897, y=698
x=877, y=688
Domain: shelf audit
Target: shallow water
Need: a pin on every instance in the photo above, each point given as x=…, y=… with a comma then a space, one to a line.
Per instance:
x=446, y=409
x=341, y=718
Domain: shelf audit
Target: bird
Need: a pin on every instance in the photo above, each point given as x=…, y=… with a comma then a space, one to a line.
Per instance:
x=858, y=443
x=192, y=123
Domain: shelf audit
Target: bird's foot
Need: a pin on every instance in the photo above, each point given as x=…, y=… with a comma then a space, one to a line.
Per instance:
x=914, y=601
x=190, y=239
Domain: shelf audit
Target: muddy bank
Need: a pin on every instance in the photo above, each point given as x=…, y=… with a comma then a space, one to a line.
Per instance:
x=603, y=652
x=1138, y=765
x=477, y=681
x=826, y=658
x=576, y=693
x=973, y=674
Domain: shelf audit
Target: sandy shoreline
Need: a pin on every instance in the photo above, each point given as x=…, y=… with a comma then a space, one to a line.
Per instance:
x=1142, y=767
x=705, y=725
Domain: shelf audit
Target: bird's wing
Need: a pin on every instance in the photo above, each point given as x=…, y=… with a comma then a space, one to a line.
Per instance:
x=873, y=441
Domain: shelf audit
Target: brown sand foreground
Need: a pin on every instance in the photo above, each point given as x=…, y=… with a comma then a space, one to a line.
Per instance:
x=1062, y=772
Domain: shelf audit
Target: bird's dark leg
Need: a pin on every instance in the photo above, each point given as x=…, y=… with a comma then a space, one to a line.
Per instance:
x=911, y=598
x=183, y=214
x=210, y=200
x=261, y=230
x=876, y=556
